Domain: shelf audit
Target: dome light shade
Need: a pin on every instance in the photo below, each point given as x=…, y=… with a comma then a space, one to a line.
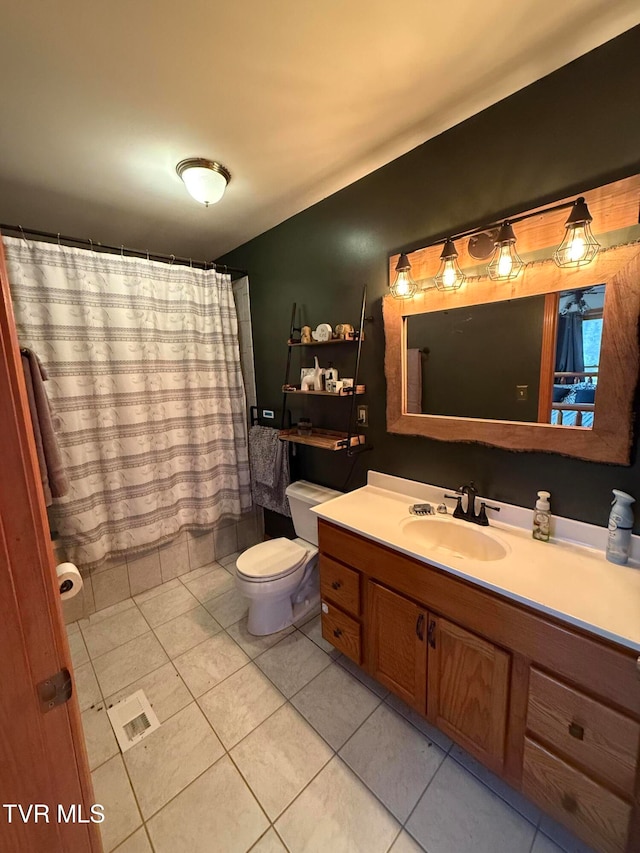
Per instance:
x=204, y=179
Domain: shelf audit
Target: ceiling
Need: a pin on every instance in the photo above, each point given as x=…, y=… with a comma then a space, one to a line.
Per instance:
x=297, y=98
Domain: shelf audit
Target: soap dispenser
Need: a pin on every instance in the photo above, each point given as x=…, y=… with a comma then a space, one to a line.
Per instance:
x=542, y=517
x=620, y=526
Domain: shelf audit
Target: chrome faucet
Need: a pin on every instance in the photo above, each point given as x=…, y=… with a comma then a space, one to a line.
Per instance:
x=469, y=514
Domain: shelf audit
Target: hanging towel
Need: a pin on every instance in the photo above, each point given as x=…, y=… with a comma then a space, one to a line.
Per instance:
x=269, y=461
x=55, y=482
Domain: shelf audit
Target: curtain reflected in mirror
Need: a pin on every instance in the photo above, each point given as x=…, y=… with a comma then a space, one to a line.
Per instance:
x=533, y=360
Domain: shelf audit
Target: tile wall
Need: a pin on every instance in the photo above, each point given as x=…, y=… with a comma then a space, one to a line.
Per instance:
x=119, y=579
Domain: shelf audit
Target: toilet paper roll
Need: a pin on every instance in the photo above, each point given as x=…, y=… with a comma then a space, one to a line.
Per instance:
x=69, y=580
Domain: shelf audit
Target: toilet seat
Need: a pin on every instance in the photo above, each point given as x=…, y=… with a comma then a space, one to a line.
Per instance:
x=270, y=560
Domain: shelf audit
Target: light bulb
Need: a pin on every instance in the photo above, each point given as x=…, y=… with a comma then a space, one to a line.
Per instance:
x=449, y=276
x=505, y=263
x=403, y=287
x=579, y=246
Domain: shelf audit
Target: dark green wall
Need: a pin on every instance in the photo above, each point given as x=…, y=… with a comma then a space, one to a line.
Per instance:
x=571, y=131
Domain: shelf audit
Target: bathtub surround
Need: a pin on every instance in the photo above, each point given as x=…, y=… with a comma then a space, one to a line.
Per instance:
x=144, y=366
x=117, y=580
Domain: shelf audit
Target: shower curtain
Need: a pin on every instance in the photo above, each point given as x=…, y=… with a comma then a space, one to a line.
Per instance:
x=144, y=373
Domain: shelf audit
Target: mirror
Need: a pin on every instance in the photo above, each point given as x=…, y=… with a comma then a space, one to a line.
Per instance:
x=457, y=363
x=519, y=381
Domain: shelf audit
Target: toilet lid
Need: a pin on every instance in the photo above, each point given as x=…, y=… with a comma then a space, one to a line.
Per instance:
x=272, y=559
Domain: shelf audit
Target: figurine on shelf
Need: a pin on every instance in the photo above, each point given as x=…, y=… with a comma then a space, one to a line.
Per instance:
x=308, y=381
x=305, y=335
x=318, y=376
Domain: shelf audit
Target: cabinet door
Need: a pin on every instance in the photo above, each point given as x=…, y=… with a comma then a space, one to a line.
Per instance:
x=397, y=645
x=468, y=690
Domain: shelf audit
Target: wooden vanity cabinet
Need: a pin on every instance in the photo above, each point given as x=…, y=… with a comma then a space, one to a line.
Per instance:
x=553, y=710
x=397, y=644
x=468, y=690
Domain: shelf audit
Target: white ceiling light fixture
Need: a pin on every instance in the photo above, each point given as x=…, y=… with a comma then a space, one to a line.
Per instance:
x=205, y=180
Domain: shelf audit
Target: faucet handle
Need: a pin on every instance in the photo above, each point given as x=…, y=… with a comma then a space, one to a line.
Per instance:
x=481, y=517
x=455, y=497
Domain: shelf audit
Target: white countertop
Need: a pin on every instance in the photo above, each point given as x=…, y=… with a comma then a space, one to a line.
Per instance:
x=570, y=581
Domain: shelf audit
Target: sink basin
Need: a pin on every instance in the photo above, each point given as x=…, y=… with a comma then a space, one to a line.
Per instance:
x=456, y=540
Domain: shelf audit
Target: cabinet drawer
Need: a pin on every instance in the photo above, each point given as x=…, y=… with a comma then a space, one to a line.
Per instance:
x=602, y=741
x=340, y=585
x=341, y=631
x=589, y=810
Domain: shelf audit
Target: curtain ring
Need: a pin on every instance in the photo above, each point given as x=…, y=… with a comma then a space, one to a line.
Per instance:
x=190, y=263
x=23, y=234
x=148, y=258
x=122, y=250
x=90, y=243
x=58, y=238
x=173, y=257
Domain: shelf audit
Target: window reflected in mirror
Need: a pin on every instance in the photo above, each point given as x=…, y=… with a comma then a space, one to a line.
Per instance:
x=534, y=360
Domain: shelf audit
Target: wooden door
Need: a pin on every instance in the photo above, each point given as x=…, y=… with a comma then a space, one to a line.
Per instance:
x=468, y=690
x=397, y=630
x=42, y=755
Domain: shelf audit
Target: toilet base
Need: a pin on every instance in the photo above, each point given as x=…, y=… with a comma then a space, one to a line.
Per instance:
x=269, y=617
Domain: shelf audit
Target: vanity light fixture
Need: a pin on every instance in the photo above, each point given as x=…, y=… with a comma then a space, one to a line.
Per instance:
x=449, y=275
x=205, y=180
x=506, y=263
x=403, y=287
x=579, y=246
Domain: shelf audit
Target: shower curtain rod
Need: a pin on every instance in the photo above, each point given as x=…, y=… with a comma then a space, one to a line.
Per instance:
x=143, y=253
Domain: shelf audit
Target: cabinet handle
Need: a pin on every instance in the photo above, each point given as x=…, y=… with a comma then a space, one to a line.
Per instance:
x=569, y=803
x=336, y=585
x=337, y=632
x=576, y=731
x=431, y=634
x=420, y=627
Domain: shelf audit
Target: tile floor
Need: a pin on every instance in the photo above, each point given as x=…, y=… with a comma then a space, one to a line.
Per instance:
x=275, y=743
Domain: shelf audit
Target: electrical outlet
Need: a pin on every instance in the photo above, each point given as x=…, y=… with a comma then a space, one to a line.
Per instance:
x=522, y=392
x=363, y=416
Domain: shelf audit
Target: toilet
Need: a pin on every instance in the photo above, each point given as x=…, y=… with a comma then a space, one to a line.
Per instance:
x=280, y=576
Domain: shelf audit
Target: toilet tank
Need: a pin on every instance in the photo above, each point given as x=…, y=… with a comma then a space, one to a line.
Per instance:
x=302, y=496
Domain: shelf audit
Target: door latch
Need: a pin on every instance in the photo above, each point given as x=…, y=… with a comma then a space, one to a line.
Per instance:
x=55, y=690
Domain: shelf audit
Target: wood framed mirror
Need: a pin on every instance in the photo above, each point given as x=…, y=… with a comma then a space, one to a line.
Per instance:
x=595, y=425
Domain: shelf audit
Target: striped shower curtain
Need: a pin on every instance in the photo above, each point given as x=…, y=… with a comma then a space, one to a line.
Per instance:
x=144, y=373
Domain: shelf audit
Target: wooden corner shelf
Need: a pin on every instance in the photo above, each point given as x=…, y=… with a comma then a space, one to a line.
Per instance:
x=291, y=343
x=325, y=439
x=344, y=392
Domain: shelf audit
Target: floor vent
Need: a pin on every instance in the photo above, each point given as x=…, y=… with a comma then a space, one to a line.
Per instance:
x=133, y=719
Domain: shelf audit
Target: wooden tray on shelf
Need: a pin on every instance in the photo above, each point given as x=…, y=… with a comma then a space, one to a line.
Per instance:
x=326, y=439
x=324, y=343
x=344, y=392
